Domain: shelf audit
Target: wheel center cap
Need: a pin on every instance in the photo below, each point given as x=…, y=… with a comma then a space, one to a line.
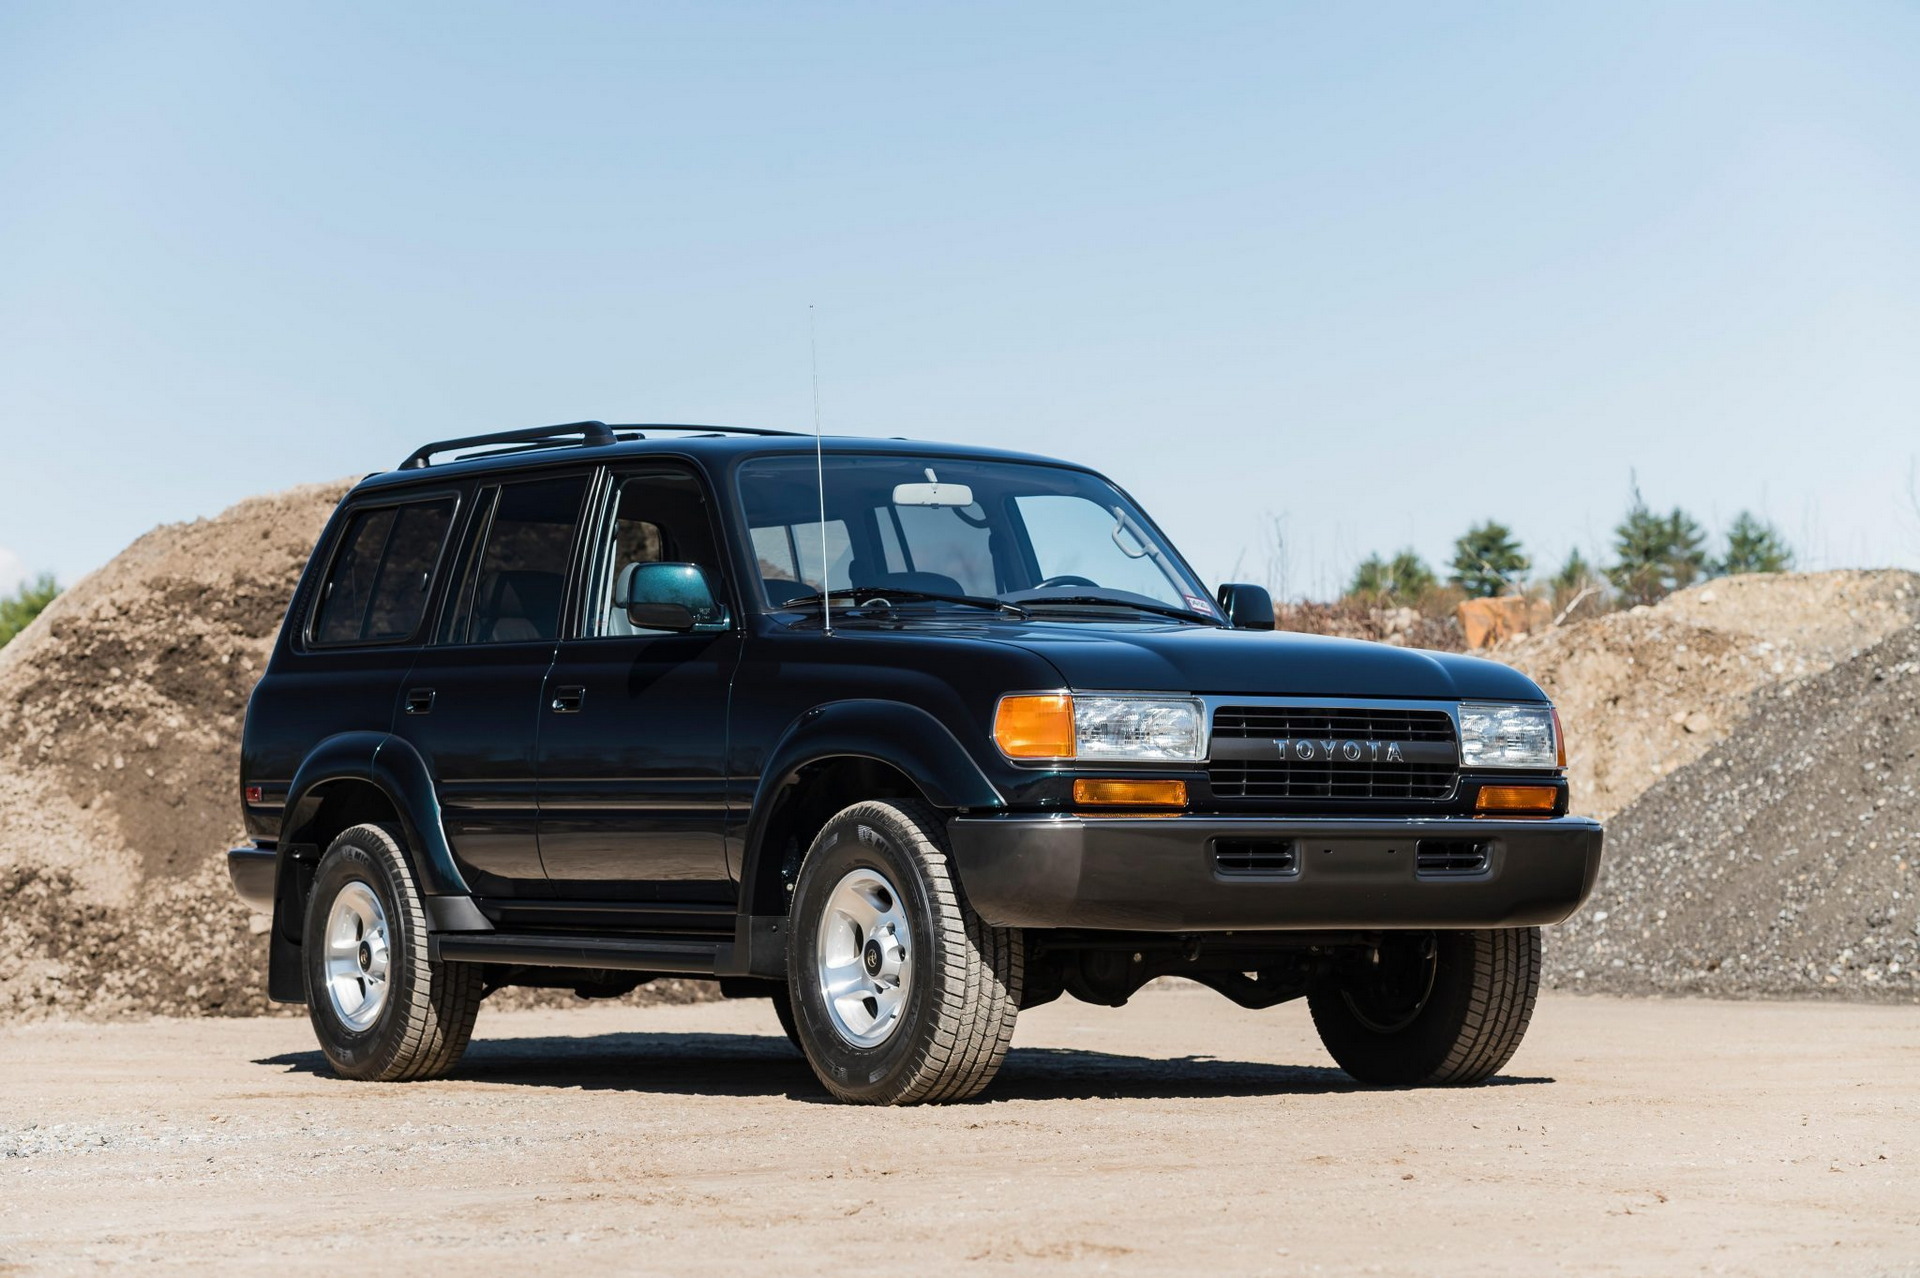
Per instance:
x=872, y=957
x=366, y=956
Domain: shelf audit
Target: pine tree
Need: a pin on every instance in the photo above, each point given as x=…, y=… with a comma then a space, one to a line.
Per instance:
x=1404, y=579
x=1412, y=579
x=1487, y=560
x=1753, y=545
x=1575, y=575
x=1658, y=554
x=24, y=604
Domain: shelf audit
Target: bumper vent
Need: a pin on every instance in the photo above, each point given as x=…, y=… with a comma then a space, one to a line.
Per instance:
x=1286, y=752
x=1255, y=858
x=1451, y=856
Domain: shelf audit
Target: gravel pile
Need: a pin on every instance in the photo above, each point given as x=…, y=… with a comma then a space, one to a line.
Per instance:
x=120, y=717
x=1784, y=861
x=1644, y=693
x=120, y=712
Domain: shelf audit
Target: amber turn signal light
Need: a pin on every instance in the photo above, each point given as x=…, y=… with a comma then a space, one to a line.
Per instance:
x=1035, y=727
x=1516, y=798
x=1115, y=793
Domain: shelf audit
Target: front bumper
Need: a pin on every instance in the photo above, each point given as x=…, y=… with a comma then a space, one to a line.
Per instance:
x=1158, y=874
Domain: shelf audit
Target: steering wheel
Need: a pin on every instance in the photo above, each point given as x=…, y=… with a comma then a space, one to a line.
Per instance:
x=1066, y=579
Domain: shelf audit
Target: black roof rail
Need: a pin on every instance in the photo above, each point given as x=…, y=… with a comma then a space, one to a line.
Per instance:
x=642, y=427
x=592, y=435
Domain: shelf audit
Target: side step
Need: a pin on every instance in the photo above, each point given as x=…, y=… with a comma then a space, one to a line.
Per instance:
x=691, y=958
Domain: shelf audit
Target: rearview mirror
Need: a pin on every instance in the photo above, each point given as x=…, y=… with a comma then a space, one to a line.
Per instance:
x=932, y=494
x=1246, y=607
x=675, y=597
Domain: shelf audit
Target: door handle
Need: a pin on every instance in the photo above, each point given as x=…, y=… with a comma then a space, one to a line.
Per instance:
x=568, y=700
x=419, y=700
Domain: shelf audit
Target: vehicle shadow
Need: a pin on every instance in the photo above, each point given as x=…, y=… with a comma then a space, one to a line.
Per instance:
x=766, y=1065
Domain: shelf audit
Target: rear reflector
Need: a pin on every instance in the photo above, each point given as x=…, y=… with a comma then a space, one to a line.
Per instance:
x=1089, y=793
x=255, y=794
x=1517, y=798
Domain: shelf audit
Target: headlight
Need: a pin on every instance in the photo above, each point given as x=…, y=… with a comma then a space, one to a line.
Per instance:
x=1503, y=736
x=1127, y=728
x=1107, y=729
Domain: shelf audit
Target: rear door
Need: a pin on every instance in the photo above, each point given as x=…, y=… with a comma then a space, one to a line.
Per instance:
x=354, y=639
x=471, y=703
x=633, y=727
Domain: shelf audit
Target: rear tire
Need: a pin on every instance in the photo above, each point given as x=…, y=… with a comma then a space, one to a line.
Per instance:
x=900, y=993
x=382, y=1011
x=1444, y=1008
x=783, y=1010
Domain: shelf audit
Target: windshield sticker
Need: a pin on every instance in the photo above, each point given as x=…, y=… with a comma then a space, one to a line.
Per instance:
x=1198, y=605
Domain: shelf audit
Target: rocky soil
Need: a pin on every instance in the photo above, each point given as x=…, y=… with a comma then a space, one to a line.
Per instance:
x=1784, y=860
x=120, y=712
x=1645, y=692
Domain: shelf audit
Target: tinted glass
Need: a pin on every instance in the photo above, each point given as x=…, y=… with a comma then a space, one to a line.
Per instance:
x=406, y=572
x=349, y=584
x=514, y=595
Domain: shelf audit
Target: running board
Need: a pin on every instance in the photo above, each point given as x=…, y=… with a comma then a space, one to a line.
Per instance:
x=620, y=954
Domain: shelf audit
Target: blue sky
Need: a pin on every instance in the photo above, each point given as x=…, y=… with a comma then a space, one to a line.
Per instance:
x=1365, y=274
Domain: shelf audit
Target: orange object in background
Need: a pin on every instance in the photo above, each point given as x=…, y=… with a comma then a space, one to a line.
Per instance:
x=1035, y=727
x=1125, y=793
x=1516, y=798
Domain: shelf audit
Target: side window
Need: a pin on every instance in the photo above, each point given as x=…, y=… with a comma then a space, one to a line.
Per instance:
x=514, y=590
x=657, y=519
x=406, y=576
x=377, y=587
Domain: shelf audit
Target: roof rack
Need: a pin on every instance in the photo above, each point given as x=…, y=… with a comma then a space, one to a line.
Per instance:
x=638, y=427
x=591, y=435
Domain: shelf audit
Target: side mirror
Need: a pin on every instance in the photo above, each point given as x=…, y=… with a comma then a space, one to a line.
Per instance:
x=675, y=597
x=1246, y=607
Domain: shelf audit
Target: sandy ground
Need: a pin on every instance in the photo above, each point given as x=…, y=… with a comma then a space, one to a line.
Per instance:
x=1179, y=1134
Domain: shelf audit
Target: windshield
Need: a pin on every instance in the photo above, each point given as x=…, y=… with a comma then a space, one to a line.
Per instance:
x=939, y=526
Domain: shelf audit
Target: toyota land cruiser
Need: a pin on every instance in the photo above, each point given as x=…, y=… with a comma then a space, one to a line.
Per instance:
x=906, y=737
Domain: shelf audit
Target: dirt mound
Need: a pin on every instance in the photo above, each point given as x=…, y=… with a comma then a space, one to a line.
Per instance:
x=120, y=713
x=120, y=716
x=1650, y=690
x=1785, y=861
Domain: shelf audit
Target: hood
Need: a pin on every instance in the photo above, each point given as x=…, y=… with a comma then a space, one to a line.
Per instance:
x=1177, y=658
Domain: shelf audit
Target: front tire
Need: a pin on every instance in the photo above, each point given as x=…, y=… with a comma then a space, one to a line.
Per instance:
x=1439, y=1008
x=900, y=993
x=382, y=1011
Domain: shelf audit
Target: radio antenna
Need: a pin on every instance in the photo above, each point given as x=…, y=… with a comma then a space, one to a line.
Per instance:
x=820, y=474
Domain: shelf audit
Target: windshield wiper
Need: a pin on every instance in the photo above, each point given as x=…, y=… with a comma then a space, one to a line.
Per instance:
x=886, y=594
x=1165, y=610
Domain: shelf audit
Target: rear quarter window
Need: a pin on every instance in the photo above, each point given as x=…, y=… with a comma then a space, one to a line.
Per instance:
x=381, y=577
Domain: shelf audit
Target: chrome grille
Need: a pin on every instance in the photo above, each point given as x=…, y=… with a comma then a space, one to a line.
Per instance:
x=1257, y=753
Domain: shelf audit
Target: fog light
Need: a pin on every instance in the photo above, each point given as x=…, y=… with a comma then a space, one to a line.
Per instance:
x=1517, y=798
x=1117, y=793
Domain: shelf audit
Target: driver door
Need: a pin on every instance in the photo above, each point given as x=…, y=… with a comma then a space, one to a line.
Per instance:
x=633, y=724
